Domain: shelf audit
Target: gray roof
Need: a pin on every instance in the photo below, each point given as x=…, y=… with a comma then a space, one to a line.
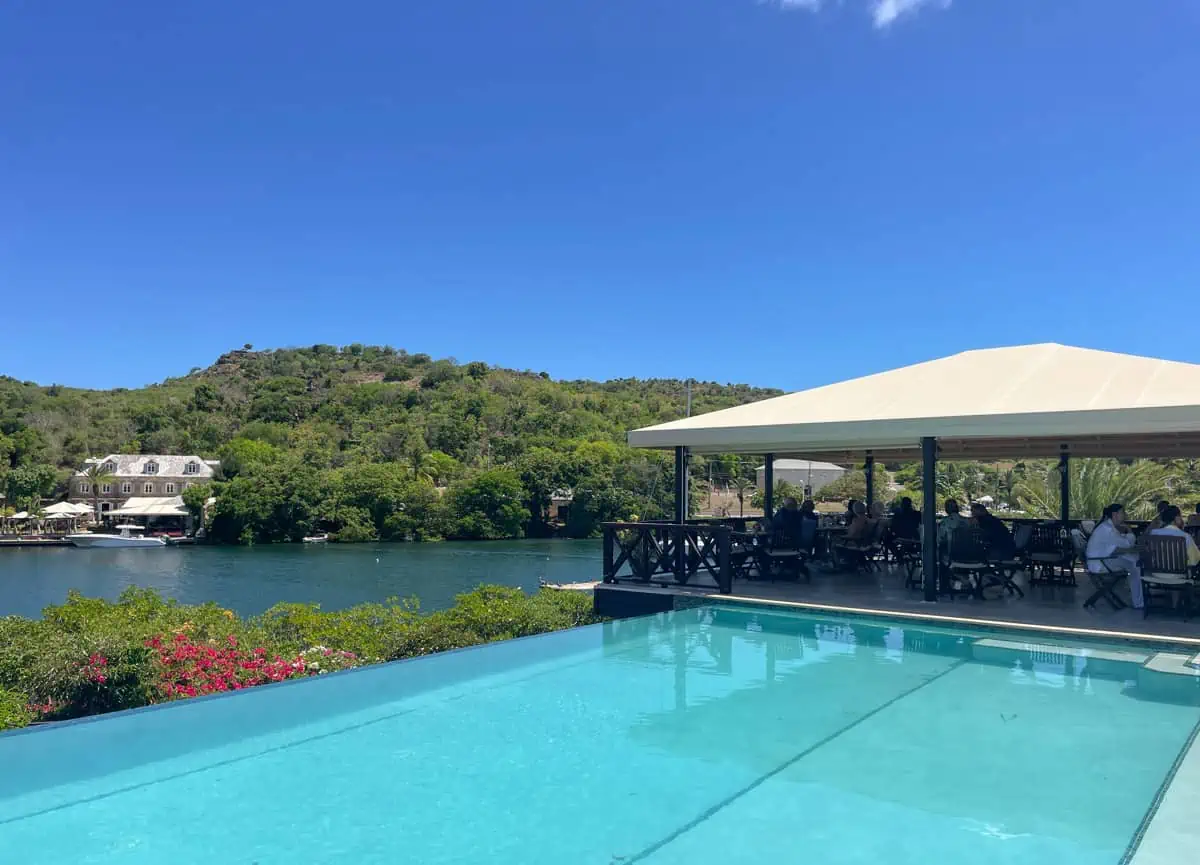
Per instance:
x=804, y=465
x=171, y=466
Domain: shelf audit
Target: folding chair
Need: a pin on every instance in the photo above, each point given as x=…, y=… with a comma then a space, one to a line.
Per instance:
x=786, y=550
x=968, y=560
x=1047, y=554
x=1165, y=573
x=1111, y=570
x=908, y=554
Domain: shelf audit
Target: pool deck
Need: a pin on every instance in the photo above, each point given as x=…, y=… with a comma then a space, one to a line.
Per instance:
x=1047, y=608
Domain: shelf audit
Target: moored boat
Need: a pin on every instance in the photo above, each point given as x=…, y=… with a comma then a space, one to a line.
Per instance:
x=128, y=537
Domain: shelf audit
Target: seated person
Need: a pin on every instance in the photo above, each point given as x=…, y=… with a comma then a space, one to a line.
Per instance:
x=1111, y=546
x=1172, y=520
x=858, y=529
x=952, y=522
x=1194, y=519
x=876, y=513
x=848, y=517
x=1157, y=522
x=787, y=519
x=996, y=536
x=808, y=510
x=906, y=522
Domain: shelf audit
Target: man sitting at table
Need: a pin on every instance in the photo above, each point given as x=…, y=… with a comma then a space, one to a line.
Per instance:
x=1111, y=546
x=907, y=521
x=996, y=536
x=952, y=522
x=856, y=530
x=1172, y=519
x=788, y=519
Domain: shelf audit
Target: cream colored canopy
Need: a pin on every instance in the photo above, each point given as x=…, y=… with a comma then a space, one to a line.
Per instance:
x=1029, y=400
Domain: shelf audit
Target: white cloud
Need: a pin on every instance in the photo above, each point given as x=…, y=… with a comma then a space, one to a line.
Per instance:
x=885, y=12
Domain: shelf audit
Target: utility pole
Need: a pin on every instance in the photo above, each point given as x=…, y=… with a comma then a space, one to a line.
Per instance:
x=689, y=397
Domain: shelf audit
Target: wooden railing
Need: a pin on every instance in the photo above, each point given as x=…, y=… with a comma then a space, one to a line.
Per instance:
x=668, y=553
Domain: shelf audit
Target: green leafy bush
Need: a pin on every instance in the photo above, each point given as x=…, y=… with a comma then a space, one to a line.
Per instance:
x=14, y=710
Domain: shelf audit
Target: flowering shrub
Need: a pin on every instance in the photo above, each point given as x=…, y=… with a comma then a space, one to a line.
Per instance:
x=190, y=669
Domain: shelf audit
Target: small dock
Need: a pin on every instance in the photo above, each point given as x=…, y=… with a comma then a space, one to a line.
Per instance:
x=34, y=542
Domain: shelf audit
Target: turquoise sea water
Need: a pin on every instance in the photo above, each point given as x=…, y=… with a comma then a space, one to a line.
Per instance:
x=713, y=735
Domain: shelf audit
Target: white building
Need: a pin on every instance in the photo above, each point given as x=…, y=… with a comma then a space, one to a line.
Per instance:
x=139, y=476
x=802, y=473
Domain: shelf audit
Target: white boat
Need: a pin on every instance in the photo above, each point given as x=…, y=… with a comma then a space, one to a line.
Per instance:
x=128, y=537
x=316, y=539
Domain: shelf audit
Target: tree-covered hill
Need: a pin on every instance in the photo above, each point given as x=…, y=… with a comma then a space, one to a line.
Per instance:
x=338, y=437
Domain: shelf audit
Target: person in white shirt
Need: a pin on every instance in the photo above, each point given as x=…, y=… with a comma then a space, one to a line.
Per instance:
x=1172, y=519
x=1113, y=542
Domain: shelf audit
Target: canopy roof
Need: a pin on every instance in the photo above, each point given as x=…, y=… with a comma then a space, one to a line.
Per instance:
x=65, y=509
x=153, y=506
x=1034, y=400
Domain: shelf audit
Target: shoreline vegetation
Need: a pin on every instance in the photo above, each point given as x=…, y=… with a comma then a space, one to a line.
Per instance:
x=89, y=656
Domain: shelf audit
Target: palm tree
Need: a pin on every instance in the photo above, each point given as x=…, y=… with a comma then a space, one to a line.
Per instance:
x=1095, y=483
x=97, y=475
x=742, y=486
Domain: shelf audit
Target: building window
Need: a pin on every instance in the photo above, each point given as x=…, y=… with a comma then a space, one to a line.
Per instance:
x=148, y=489
x=106, y=489
x=105, y=507
x=109, y=468
x=151, y=468
x=127, y=487
x=191, y=469
x=85, y=488
x=170, y=490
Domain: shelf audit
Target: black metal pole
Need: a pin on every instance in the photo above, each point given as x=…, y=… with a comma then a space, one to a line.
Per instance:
x=869, y=468
x=769, y=487
x=1064, y=485
x=929, y=550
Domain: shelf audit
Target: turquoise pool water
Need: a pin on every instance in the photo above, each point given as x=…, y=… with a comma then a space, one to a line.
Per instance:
x=714, y=735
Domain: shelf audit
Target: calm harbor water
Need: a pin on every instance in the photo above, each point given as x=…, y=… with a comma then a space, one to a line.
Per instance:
x=249, y=580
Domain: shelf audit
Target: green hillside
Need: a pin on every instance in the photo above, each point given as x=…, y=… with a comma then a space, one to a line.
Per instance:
x=358, y=439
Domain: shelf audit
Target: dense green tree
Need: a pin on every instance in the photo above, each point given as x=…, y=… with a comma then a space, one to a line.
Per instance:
x=488, y=506
x=27, y=484
x=194, y=499
x=243, y=455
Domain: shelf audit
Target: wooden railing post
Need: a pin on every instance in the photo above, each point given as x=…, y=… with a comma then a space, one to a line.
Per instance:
x=725, y=568
x=679, y=539
x=609, y=574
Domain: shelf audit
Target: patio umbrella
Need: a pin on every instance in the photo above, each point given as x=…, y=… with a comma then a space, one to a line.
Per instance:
x=61, y=509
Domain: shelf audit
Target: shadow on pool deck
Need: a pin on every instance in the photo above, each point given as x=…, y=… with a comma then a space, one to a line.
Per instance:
x=883, y=592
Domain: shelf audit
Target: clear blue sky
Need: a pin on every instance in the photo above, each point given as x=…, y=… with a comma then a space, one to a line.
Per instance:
x=785, y=194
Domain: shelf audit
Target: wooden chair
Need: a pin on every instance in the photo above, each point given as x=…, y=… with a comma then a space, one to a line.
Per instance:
x=790, y=551
x=1165, y=573
x=861, y=554
x=1050, y=561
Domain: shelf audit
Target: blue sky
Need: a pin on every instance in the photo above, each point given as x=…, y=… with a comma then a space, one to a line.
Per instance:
x=781, y=193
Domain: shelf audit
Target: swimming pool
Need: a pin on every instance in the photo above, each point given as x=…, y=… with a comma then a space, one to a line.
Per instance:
x=711, y=735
